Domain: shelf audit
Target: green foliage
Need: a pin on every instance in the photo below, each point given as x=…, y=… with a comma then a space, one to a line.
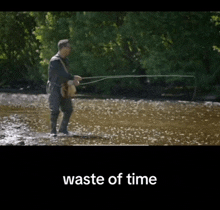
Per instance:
x=19, y=47
x=112, y=43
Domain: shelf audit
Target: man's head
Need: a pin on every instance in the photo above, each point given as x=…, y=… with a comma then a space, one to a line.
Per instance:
x=64, y=47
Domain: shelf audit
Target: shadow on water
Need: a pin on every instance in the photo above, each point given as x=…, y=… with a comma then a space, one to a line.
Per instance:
x=25, y=120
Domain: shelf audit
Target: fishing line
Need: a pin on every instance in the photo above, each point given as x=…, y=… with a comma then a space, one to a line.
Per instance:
x=101, y=78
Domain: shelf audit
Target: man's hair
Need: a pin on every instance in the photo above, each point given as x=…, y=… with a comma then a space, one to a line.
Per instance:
x=62, y=43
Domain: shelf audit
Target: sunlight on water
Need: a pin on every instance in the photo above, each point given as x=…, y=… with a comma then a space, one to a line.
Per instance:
x=25, y=120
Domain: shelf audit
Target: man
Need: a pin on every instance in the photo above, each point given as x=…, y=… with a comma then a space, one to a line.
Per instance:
x=57, y=76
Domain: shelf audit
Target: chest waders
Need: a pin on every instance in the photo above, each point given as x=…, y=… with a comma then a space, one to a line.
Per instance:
x=57, y=102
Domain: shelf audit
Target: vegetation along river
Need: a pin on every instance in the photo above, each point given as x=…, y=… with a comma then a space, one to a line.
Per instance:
x=25, y=120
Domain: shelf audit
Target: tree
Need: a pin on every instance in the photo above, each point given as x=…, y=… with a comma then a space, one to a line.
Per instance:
x=19, y=47
x=176, y=43
x=109, y=43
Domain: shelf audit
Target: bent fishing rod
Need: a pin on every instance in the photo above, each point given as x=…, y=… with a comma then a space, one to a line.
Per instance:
x=101, y=78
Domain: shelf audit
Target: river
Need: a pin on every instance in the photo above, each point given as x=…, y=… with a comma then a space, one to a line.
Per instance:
x=25, y=120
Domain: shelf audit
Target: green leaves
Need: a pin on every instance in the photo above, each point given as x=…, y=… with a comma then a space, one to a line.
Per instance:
x=18, y=45
x=106, y=43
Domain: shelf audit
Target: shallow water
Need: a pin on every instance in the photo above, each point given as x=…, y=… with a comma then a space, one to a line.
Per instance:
x=25, y=120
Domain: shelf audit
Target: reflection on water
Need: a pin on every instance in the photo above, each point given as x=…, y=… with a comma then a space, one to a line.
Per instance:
x=25, y=120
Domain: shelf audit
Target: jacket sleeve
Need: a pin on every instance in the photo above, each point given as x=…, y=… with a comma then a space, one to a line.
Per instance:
x=57, y=68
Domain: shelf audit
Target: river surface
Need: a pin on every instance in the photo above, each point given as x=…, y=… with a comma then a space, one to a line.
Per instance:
x=25, y=120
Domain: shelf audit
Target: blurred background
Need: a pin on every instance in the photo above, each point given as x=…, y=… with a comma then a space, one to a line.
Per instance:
x=114, y=43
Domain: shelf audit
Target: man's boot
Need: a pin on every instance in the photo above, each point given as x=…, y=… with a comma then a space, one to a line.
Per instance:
x=53, y=121
x=64, y=124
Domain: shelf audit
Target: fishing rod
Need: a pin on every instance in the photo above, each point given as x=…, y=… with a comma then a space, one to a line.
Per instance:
x=101, y=78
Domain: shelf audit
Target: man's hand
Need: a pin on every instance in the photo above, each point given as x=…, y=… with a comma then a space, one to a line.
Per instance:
x=77, y=77
x=76, y=80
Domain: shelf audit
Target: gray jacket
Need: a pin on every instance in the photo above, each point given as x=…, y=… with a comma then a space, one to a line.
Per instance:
x=56, y=71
